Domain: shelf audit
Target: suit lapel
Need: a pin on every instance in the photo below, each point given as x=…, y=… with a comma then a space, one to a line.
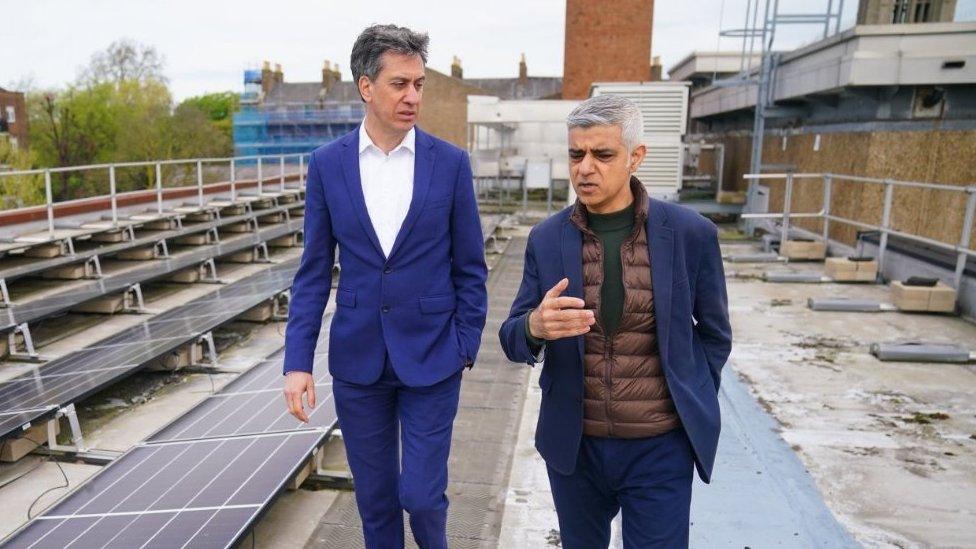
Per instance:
x=572, y=252
x=660, y=243
x=350, y=172
x=423, y=167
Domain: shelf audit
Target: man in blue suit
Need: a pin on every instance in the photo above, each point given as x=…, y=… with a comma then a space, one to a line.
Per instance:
x=633, y=352
x=411, y=300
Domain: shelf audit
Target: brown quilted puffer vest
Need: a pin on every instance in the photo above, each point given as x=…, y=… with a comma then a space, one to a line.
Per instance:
x=625, y=394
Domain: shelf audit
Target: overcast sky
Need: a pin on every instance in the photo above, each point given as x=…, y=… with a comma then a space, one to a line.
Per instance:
x=208, y=43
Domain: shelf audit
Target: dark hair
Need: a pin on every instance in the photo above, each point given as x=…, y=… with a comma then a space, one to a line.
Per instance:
x=376, y=40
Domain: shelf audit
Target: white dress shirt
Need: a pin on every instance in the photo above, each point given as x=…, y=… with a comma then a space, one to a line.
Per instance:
x=387, y=181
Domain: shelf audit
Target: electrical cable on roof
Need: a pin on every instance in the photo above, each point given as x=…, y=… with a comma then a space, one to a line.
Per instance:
x=22, y=475
x=49, y=490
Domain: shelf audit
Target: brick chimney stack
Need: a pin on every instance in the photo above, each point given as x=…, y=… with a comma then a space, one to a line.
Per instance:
x=523, y=70
x=656, y=68
x=456, y=70
x=267, y=78
x=329, y=75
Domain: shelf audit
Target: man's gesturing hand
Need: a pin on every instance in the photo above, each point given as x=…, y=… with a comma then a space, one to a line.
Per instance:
x=558, y=317
x=297, y=384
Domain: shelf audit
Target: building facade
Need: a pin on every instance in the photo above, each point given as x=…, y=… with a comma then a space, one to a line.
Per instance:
x=884, y=101
x=279, y=117
x=891, y=12
x=13, y=118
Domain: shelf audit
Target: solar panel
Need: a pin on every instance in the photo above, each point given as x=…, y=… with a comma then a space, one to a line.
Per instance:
x=40, y=308
x=37, y=266
x=36, y=395
x=252, y=403
x=202, y=480
x=202, y=493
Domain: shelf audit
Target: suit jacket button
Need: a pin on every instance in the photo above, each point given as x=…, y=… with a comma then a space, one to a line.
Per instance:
x=387, y=270
x=386, y=308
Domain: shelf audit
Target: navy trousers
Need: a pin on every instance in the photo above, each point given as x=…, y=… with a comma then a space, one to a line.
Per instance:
x=387, y=480
x=648, y=479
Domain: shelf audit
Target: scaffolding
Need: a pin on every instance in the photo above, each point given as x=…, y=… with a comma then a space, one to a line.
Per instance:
x=758, y=35
x=292, y=129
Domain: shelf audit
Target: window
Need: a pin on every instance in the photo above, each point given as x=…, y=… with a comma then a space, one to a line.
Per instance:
x=11, y=114
x=900, y=11
x=921, y=11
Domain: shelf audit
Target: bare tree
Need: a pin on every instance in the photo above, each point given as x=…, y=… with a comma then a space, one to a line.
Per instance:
x=26, y=83
x=123, y=60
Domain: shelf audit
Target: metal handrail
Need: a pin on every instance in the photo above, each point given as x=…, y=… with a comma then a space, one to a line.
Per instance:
x=196, y=163
x=961, y=249
x=146, y=163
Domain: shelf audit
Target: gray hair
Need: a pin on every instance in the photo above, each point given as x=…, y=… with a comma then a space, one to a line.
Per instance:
x=379, y=39
x=610, y=110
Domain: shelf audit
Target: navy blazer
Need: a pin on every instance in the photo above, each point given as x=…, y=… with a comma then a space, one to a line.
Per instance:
x=691, y=313
x=425, y=305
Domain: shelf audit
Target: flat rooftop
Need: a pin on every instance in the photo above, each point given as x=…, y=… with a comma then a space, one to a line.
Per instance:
x=864, y=55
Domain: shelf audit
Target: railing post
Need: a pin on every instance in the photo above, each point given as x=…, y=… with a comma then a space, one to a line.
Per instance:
x=49, y=196
x=233, y=180
x=281, y=178
x=111, y=188
x=885, y=225
x=827, y=182
x=967, y=229
x=200, y=183
x=159, y=187
x=301, y=171
x=787, y=199
x=260, y=177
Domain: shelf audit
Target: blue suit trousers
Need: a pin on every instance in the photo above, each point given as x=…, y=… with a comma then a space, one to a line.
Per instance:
x=648, y=479
x=389, y=480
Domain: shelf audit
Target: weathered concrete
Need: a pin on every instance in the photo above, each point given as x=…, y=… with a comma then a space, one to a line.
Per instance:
x=891, y=466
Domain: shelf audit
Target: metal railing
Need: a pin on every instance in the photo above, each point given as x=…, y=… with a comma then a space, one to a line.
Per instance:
x=252, y=167
x=962, y=248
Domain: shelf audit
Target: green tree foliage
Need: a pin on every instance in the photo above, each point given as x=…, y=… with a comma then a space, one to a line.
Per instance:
x=17, y=191
x=219, y=108
x=121, y=110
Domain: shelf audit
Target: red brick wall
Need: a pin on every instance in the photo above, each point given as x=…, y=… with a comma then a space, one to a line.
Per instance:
x=18, y=128
x=606, y=41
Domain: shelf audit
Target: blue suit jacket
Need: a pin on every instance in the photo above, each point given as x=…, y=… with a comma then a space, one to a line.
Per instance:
x=691, y=312
x=425, y=305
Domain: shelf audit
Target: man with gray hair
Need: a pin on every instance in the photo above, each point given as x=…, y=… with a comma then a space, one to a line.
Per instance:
x=625, y=297
x=411, y=301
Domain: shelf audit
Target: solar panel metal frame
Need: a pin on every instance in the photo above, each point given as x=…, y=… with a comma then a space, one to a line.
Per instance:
x=34, y=267
x=269, y=282
x=32, y=311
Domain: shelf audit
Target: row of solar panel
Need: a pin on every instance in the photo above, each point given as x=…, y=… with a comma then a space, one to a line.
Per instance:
x=38, y=394
x=27, y=268
x=201, y=481
x=37, y=309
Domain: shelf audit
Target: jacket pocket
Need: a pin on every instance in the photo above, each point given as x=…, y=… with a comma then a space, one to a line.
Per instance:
x=346, y=298
x=437, y=304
